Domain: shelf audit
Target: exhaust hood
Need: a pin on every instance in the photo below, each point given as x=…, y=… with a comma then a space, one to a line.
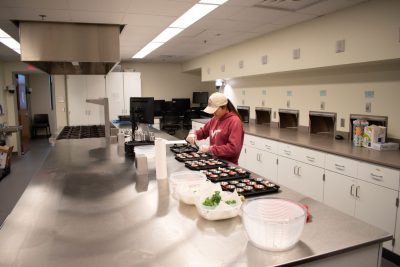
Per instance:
x=70, y=48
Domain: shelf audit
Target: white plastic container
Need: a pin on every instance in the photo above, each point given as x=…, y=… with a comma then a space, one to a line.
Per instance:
x=179, y=180
x=223, y=210
x=273, y=224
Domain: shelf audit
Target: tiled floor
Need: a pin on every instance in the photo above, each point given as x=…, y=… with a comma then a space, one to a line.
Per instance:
x=25, y=167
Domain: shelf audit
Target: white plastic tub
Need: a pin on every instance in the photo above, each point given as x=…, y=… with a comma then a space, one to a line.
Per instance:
x=185, y=181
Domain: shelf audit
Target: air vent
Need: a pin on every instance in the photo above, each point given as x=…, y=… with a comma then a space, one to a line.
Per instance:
x=287, y=5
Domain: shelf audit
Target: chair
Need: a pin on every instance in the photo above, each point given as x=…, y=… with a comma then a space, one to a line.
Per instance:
x=41, y=121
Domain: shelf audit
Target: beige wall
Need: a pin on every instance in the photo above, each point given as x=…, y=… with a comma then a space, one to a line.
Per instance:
x=370, y=29
x=166, y=80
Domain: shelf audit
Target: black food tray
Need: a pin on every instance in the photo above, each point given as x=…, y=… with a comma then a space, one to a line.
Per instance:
x=183, y=148
x=195, y=156
x=226, y=174
x=269, y=187
x=219, y=163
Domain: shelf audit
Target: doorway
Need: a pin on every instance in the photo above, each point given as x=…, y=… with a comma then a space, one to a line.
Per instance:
x=23, y=111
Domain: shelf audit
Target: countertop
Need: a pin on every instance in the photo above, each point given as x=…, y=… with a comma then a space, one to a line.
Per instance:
x=322, y=143
x=88, y=207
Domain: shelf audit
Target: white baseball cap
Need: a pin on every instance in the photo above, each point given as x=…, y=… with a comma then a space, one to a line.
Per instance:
x=215, y=101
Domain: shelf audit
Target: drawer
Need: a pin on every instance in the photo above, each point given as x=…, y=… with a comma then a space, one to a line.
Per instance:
x=341, y=165
x=312, y=157
x=379, y=175
x=270, y=146
x=289, y=151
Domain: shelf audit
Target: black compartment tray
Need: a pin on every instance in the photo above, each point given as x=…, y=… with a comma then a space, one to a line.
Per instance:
x=214, y=176
x=207, y=166
x=183, y=157
x=183, y=148
x=269, y=187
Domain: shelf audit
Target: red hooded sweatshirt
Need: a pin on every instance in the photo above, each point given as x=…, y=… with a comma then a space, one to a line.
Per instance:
x=226, y=136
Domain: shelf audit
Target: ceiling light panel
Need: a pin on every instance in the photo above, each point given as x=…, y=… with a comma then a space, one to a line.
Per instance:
x=192, y=15
x=214, y=2
x=167, y=34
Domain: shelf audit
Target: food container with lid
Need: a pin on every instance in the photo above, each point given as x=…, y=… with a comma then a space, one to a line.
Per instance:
x=185, y=181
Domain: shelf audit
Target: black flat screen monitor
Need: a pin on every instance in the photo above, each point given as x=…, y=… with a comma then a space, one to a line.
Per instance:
x=181, y=104
x=200, y=98
x=159, y=107
x=142, y=110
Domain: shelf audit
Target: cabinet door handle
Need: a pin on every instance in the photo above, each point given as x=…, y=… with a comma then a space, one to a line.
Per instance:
x=267, y=147
x=287, y=152
x=294, y=170
x=351, y=190
x=376, y=177
x=298, y=171
x=312, y=159
x=339, y=167
x=252, y=143
x=357, y=188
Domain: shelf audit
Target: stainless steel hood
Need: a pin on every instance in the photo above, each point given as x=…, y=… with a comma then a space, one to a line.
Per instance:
x=70, y=48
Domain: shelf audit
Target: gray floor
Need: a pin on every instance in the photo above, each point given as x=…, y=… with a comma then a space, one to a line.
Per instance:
x=25, y=167
x=22, y=170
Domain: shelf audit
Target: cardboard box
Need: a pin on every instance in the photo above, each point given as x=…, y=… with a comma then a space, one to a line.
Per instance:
x=385, y=146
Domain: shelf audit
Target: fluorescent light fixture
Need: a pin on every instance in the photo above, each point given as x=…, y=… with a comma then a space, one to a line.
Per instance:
x=192, y=15
x=213, y=2
x=196, y=12
x=7, y=40
x=150, y=47
x=167, y=34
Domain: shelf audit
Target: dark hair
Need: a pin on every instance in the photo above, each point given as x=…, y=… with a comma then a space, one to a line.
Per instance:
x=231, y=108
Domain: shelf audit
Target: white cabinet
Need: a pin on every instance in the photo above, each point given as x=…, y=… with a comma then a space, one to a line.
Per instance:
x=120, y=86
x=371, y=196
x=80, y=88
x=301, y=177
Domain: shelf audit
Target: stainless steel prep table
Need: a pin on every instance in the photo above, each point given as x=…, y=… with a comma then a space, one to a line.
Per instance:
x=87, y=207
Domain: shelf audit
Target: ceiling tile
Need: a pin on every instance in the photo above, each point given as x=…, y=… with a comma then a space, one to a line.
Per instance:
x=49, y=4
x=260, y=14
x=99, y=5
x=159, y=7
x=292, y=19
x=148, y=20
x=236, y=25
x=96, y=17
x=326, y=7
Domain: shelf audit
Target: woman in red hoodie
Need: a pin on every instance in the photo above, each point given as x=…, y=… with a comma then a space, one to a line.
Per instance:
x=225, y=129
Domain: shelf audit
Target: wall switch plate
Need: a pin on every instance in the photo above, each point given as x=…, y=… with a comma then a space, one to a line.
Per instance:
x=274, y=114
x=340, y=46
x=342, y=122
x=322, y=105
x=241, y=64
x=223, y=68
x=288, y=104
x=296, y=53
x=263, y=103
x=242, y=101
x=368, y=107
x=264, y=60
x=264, y=92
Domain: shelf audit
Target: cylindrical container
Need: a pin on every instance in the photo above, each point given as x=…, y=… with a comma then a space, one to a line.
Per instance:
x=161, y=158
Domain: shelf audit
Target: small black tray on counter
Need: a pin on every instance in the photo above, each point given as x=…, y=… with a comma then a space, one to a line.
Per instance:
x=248, y=187
x=183, y=148
x=226, y=174
x=205, y=164
x=183, y=157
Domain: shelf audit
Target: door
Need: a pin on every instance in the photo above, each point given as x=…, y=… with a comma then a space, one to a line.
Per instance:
x=95, y=89
x=23, y=113
x=267, y=166
x=76, y=92
x=339, y=192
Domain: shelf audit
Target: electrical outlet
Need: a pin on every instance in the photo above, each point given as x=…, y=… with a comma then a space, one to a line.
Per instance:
x=264, y=59
x=208, y=71
x=241, y=64
x=243, y=102
x=322, y=105
x=342, y=122
x=263, y=103
x=340, y=46
x=288, y=103
x=223, y=68
x=368, y=107
x=296, y=53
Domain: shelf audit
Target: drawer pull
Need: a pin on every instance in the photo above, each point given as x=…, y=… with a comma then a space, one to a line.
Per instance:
x=339, y=167
x=357, y=188
x=267, y=147
x=376, y=177
x=310, y=158
x=287, y=152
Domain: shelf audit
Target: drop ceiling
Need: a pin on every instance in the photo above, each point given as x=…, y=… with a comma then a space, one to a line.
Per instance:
x=234, y=22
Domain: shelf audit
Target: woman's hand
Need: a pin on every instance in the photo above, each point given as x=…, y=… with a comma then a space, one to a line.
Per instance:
x=191, y=138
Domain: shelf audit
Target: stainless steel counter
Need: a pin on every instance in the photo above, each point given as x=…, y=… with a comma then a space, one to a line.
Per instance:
x=87, y=207
x=322, y=143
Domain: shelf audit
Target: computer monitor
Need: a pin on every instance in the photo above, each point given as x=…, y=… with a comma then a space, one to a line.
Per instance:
x=181, y=104
x=142, y=110
x=200, y=98
x=159, y=107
